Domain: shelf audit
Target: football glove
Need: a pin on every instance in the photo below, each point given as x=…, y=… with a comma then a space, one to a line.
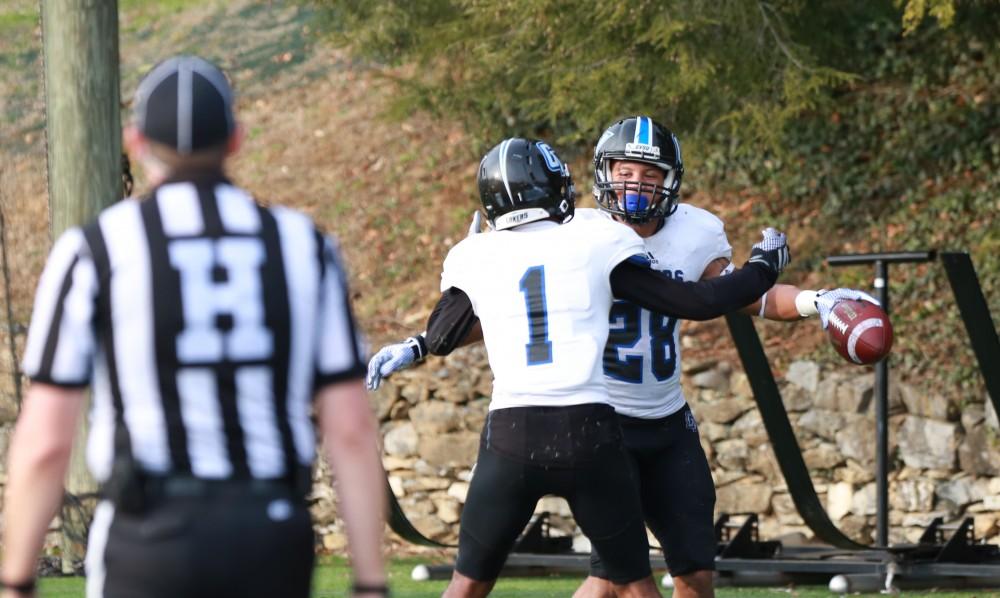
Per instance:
x=771, y=251
x=827, y=300
x=392, y=358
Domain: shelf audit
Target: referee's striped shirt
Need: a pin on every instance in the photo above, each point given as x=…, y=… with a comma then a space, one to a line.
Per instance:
x=204, y=323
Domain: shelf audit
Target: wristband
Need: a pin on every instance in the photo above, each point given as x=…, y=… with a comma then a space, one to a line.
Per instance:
x=365, y=588
x=805, y=303
x=24, y=587
x=419, y=346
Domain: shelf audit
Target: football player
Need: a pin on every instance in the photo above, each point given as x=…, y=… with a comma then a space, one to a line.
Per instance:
x=541, y=288
x=637, y=177
x=638, y=172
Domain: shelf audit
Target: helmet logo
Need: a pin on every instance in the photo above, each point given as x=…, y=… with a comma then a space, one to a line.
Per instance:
x=564, y=206
x=642, y=150
x=551, y=159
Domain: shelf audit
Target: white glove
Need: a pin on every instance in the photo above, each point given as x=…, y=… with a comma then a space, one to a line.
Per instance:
x=772, y=250
x=391, y=358
x=827, y=300
x=476, y=224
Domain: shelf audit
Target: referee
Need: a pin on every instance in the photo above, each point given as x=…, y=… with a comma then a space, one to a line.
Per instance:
x=208, y=327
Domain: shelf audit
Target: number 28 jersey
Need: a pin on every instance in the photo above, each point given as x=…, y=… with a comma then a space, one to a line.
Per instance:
x=542, y=294
x=642, y=357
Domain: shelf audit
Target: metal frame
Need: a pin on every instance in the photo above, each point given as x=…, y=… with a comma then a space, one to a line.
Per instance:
x=881, y=284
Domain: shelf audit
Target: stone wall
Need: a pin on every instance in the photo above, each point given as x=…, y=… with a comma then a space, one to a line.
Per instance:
x=945, y=455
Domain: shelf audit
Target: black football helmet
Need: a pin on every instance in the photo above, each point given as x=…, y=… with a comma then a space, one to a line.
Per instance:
x=523, y=180
x=639, y=139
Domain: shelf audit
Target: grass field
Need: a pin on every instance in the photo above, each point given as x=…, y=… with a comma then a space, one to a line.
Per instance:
x=333, y=579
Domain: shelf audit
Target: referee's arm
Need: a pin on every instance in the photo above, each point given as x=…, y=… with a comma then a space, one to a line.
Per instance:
x=348, y=427
x=351, y=446
x=58, y=361
x=39, y=457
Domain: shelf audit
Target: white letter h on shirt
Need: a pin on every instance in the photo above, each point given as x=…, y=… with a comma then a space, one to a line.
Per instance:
x=203, y=299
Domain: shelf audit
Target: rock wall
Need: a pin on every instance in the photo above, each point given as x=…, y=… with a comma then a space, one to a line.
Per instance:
x=945, y=455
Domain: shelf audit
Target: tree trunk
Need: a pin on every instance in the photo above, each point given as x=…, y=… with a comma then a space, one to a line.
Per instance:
x=80, y=41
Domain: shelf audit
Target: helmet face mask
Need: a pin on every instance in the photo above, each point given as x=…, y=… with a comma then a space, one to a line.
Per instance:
x=643, y=140
x=521, y=181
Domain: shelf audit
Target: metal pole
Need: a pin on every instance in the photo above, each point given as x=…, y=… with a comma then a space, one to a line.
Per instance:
x=881, y=283
x=882, y=420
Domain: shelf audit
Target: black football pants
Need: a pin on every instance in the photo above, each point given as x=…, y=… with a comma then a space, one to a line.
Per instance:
x=227, y=544
x=574, y=452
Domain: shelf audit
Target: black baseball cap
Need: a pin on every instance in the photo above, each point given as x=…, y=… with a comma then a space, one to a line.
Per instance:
x=185, y=102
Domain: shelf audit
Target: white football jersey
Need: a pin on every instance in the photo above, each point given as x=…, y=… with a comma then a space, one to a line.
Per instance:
x=542, y=294
x=642, y=357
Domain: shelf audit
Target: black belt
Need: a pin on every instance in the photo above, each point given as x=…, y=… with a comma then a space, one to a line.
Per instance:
x=189, y=486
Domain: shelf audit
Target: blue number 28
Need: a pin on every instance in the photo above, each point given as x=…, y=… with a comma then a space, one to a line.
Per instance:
x=539, y=350
x=625, y=320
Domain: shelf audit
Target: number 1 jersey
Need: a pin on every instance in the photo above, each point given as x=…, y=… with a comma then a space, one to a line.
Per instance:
x=542, y=294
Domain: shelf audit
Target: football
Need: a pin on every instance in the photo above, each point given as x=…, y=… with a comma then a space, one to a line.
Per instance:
x=860, y=331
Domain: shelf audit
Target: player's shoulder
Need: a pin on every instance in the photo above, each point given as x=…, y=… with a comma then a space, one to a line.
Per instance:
x=471, y=247
x=591, y=222
x=689, y=216
x=591, y=214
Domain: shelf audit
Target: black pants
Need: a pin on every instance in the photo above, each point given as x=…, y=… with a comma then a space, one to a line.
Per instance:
x=678, y=494
x=573, y=452
x=224, y=544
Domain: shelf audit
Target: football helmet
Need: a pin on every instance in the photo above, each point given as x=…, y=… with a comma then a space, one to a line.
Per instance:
x=523, y=180
x=639, y=139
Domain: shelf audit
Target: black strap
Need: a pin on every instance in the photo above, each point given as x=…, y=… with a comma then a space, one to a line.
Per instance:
x=976, y=317
x=782, y=436
x=400, y=524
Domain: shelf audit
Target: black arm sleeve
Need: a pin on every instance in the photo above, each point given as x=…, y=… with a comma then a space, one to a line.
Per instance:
x=702, y=300
x=450, y=322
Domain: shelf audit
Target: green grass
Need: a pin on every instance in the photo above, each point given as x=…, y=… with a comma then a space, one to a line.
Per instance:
x=142, y=14
x=333, y=579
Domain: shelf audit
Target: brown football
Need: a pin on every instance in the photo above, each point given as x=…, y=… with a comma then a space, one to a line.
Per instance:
x=860, y=331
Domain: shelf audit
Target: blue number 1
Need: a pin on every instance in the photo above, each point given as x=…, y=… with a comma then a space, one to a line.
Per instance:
x=539, y=350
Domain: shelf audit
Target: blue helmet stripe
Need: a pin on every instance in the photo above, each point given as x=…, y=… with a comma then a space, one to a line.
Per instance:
x=644, y=128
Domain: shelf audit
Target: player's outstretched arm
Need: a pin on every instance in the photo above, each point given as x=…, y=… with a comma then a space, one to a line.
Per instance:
x=413, y=350
x=705, y=299
x=789, y=303
x=350, y=437
x=452, y=324
x=826, y=300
